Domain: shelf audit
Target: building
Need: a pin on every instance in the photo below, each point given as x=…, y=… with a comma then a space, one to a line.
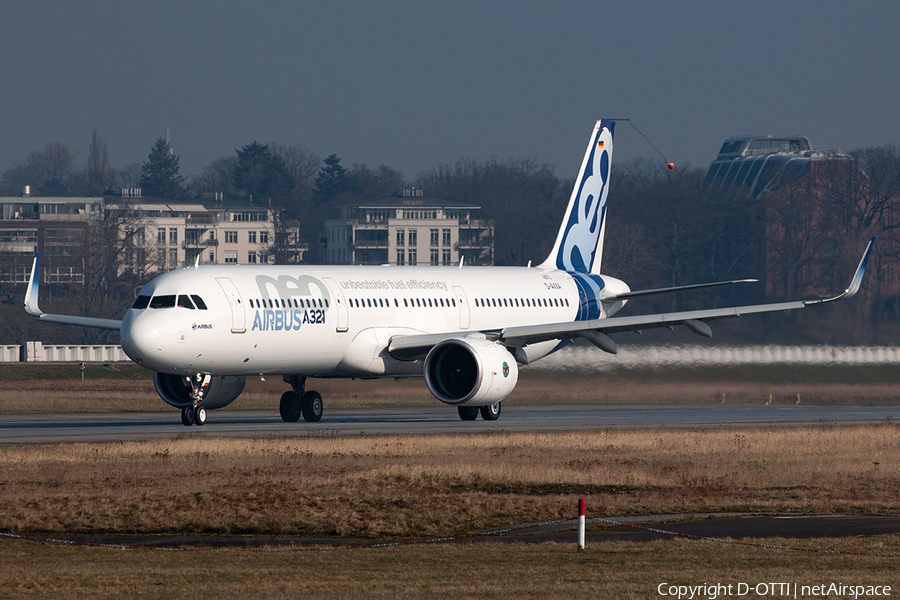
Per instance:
x=409, y=228
x=56, y=227
x=750, y=166
x=171, y=234
x=150, y=235
x=808, y=213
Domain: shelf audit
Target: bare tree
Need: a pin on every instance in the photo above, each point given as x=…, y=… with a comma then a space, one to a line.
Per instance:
x=522, y=196
x=302, y=165
x=117, y=261
x=216, y=177
x=48, y=171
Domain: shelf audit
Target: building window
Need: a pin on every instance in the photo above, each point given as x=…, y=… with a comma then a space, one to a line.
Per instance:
x=263, y=258
x=445, y=237
x=173, y=258
x=413, y=238
x=173, y=236
x=230, y=238
x=251, y=237
x=161, y=236
x=251, y=258
x=212, y=257
x=263, y=237
x=401, y=257
x=434, y=237
x=434, y=257
x=445, y=256
x=401, y=239
x=412, y=257
x=230, y=257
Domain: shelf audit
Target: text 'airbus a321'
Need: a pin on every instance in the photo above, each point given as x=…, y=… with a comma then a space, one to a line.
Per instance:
x=202, y=330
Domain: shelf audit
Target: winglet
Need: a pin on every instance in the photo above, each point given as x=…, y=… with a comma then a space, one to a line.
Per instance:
x=855, y=282
x=31, y=292
x=31, y=306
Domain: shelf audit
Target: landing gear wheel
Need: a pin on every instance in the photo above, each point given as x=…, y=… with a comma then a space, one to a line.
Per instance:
x=291, y=407
x=467, y=413
x=187, y=416
x=199, y=416
x=491, y=412
x=312, y=407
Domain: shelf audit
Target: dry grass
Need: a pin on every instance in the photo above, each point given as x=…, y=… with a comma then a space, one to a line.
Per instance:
x=550, y=570
x=97, y=395
x=415, y=487
x=384, y=487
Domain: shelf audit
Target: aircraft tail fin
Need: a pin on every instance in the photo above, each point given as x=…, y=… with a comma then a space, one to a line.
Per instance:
x=579, y=243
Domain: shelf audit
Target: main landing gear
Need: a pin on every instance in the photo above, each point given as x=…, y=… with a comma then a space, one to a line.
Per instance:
x=491, y=412
x=299, y=402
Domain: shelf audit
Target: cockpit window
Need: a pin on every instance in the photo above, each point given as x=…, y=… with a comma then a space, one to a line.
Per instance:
x=163, y=302
x=185, y=302
x=141, y=302
x=199, y=301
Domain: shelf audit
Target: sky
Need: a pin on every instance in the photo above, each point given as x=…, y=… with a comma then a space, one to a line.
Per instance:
x=416, y=84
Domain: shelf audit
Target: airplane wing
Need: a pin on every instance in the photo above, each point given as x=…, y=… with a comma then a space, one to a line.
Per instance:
x=31, y=307
x=596, y=331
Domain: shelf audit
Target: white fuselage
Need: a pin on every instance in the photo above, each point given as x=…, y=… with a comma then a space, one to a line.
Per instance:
x=337, y=321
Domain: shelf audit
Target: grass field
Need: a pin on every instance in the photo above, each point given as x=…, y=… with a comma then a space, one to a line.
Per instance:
x=383, y=488
x=540, y=571
x=40, y=388
x=394, y=487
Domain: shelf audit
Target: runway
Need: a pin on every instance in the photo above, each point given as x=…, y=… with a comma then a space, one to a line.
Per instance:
x=118, y=427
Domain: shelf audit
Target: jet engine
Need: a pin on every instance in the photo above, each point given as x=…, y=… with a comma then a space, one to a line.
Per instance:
x=176, y=390
x=470, y=372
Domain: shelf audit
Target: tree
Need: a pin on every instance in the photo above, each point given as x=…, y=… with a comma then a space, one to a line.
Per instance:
x=216, y=177
x=49, y=171
x=522, y=196
x=302, y=165
x=160, y=174
x=331, y=180
x=99, y=174
x=374, y=183
x=262, y=174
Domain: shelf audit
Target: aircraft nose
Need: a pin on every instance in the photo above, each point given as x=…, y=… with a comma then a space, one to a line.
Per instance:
x=141, y=338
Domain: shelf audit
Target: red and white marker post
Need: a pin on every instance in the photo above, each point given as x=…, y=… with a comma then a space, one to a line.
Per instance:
x=581, y=525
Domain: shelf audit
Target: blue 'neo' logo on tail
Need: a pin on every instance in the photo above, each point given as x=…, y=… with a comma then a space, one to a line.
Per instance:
x=588, y=208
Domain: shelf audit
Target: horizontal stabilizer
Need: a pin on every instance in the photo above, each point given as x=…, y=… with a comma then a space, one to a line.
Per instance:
x=608, y=297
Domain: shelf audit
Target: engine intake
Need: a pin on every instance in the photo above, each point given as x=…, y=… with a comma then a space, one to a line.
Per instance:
x=470, y=372
x=176, y=390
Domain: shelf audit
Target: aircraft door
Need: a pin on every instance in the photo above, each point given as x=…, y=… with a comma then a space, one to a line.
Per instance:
x=340, y=304
x=463, y=307
x=238, y=318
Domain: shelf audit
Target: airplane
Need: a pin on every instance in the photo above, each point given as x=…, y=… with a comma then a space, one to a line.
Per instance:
x=203, y=330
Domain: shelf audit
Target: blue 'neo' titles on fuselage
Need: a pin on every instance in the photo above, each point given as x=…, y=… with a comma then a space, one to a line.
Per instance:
x=286, y=320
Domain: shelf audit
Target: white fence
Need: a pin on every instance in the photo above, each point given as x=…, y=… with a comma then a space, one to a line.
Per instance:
x=634, y=357
x=10, y=353
x=38, y=352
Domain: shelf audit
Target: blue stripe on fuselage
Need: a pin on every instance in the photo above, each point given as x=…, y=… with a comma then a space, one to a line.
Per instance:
x=589, y=287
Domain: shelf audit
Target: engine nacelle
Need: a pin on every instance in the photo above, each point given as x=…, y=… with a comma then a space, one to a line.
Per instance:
x=176, y=390
x=470, y=372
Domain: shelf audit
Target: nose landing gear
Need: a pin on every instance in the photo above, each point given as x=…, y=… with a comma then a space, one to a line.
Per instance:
x=195, y=414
